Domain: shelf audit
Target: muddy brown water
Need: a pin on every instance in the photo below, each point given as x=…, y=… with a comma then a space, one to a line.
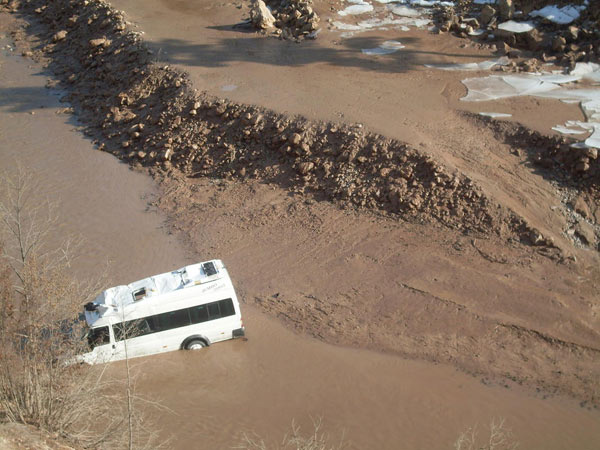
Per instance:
x=376, y=401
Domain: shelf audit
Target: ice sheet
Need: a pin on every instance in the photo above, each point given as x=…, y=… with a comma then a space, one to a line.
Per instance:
x=561, y=16
x=588, y=71
x=496, y=87
x=359, y=8
x=495, y=115
x=484, y=65
x=594, y=139
x=385, y=48
x=565, y=130
x=476, y=32
x=516, y=27
x=373, y=23
x=405, y=11
x=346, y=26
x=484, y=2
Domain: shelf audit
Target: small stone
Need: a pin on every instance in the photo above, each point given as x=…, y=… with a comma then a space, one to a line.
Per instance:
x=100, y=42
x=585, y=232
x=536, y=237
x=582, y=166
x=581, y=207
x=506, y=9
x=487, y=13
x=304, y=168
x=193, y=112
x=559, y=43
x=59, y=36
x=573, y=33
x=533, y=39
x=295, y=139
x=591, y=152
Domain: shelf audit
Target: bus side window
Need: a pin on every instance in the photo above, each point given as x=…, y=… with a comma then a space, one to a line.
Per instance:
x=173, y=319
x=98, y=336
x=226, y=307
x=199, y=314
x=213, y=310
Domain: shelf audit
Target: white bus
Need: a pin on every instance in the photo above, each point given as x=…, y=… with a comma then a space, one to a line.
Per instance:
x=188, y=309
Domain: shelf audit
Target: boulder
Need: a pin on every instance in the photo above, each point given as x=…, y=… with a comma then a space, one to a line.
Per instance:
x=487, y=13
x=59, y=35
x=506, y=9
x=260, y=15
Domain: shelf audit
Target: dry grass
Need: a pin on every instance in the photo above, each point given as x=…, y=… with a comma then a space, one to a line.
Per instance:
x=316, y=439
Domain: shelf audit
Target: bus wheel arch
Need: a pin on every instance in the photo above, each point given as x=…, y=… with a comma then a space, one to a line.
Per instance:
x=195, y=342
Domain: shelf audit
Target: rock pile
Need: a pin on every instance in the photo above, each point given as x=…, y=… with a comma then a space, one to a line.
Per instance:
x=566, y=44
x=150, y=115
x=289, y=19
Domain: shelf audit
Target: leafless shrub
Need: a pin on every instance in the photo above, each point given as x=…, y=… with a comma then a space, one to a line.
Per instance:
x=294, y=440
x=40, y=332
x=499, y=438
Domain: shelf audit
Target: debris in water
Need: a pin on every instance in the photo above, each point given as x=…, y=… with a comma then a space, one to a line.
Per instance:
x=385, y=48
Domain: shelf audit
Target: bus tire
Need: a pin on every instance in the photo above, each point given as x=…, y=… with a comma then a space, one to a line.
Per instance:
x=195, y=344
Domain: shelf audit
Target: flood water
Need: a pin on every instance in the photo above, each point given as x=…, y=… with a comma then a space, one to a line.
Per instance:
x=262, y=384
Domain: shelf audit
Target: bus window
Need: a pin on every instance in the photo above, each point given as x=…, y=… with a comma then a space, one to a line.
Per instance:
x=226, y=307
x=98, y=336
x=199, y=313
x=213, y=310
x=173, y=319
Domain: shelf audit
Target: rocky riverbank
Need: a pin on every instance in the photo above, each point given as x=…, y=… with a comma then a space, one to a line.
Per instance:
x=532, y=32
x=150, y=115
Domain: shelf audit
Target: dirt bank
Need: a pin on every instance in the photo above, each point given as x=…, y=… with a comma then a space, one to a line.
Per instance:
x=420, y=261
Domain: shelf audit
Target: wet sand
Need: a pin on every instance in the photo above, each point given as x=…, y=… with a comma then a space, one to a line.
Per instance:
x=262, y=384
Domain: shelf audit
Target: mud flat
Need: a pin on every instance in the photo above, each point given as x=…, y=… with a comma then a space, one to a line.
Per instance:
x=396, y=276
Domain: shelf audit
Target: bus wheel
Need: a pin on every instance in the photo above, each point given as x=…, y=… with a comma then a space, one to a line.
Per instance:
x=195, y=344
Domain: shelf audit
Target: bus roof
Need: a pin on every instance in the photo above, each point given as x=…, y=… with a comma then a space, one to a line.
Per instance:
x=114, y=299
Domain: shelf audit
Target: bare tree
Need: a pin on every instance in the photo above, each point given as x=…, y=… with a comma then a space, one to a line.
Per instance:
x=498, y=438
x=40, y=303
x=294, y=440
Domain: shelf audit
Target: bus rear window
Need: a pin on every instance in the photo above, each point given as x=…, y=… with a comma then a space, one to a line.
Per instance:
x=98, y=336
